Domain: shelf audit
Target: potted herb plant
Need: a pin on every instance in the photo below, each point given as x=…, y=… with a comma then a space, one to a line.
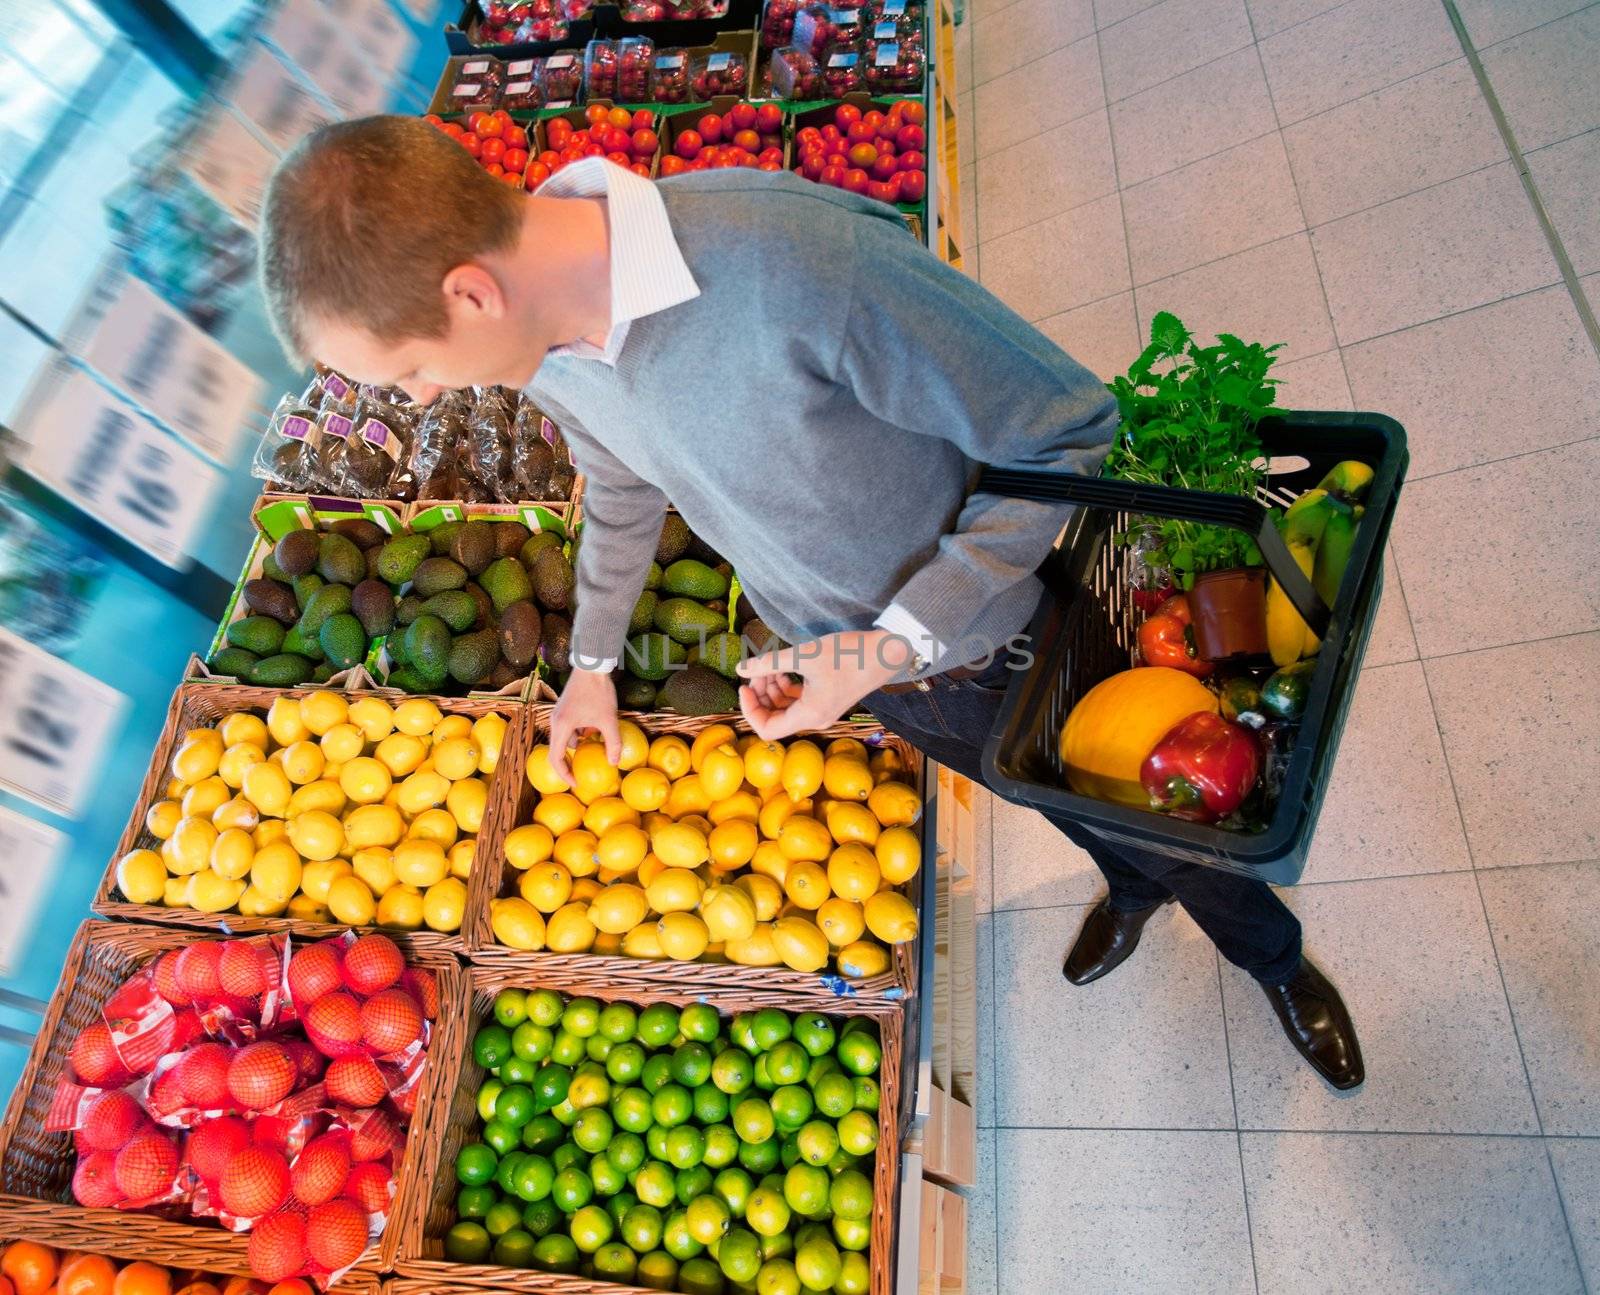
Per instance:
x=1189, y=417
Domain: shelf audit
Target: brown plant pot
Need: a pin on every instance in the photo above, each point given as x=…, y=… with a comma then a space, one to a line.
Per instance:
x=1229, y=609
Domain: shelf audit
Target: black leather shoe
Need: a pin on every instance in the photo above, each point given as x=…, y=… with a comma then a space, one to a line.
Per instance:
x=1318, y=1024
x=1107, y=940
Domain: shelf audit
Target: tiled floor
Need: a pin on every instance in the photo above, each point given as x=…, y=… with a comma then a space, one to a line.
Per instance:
x=1334, y=176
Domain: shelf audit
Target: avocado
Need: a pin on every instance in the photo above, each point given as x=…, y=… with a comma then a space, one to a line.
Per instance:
x=427, y=647
x=634, y=693
x=343, y=641
x=690, y=579
x=360, y=531
x=687, y=621
x=556, y=645
x=435, y=575
x=441, y=536
x=341, y=562
x=473, y=547
x=327, y=601
x=743, y=612
x=271, y=569
x=674, y=539
x=652, y=578
x=455, y=607
x=697, y=690
x=722, y=652
x=371, y=556
x=408, y=609
x=520, y=630
x=651, y=656
x=297, y=552
x=269, y=598
x=701, y=551
x=506, y=582
x=322, y=673
x=758, y=638
x=398, y=559
x=509, y=537
x=644, y=613
x=281, y=671
x=500, y=676
x=302, y=644
x=473, y=656
x=485, y=607
x=407, y=680
x=259, y=634
x=537, y=544
x=304, y=587
x=562, y=478
x=372, y=601
x=553, y=580
x=233, y=661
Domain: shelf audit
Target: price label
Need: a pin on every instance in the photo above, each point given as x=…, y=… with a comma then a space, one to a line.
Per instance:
x=30, y=853
x=894, y=8
x=522, y=67
x=477, y=67
x=885, y=31
x=55, y=721
x=888, y=54
x=558, y=61
x=842, y=60
x=719, y=62
x=666, y=61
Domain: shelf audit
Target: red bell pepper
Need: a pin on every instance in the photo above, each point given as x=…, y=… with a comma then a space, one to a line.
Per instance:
x=1166, y=639
x=1202, y=769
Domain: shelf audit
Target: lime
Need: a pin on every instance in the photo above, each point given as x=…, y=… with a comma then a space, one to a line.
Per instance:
x=502, y=1137
x=858, y=1133
x=571, y=1190
x=658, y=1025
x=734, y=1187
x=855, y=1275
x=732, y=1071
x=630, y=1108
x=655, y=1185
x=671, y=1106
x=541, y=1217
x=618, y=1022
x=691, y=1182
x=676, y=1239
x=555, y=1254
x=518, y=1070
x=850, y=1196
x=615, y=1262
x=771, y=1027
x=626, y=1152
x=700, y=1022
x=641, y=1228
x=722, y=1145
x=608, y=1180
x=753, y=1120
x=655, y=1141
x=841, y=1161
x=515, y=1249
x=589, y=1088
x=590, y=1228
x=806, y=1189
x=778, y=1247
x=533, y=1179
x=567, y=1049
x=542, y=1133
x=475, y=1165
x=817, y=1264
x=707, y=1218
x=835, y=1095
x=581, y=1018
x=867, y=1093
x=818, y=1141
x=739, y=1255
x=788, y=1063
x=531, y=1042
x=777, y=1277
x=511, y=1008
x=514, y=1106
x=851, y=1234
x=700, y=1276
x=618, y=1206
x=764, y=1080
x=815, y=1033
x=658, y=1271
x=544, y=1007
x=767, y=1212
x=467, y=1243
x=506, y=1173
x=565, y=1156
x=789, y=1152
x=657, y=1072
x=551, y=1083
x=488, y=1092
x=691, y=1064
x=564, y=1113
x=625, y=1063
x=503, y=1215
x=792, y=1107
x=686, y=1146
x=474, y=1202
x=593, y=1128
x=597, y=1047
x=710, y=1104
x=810, y=1232
x=491, y=1045
x=759, y=1157
x=860, y=1053
x=820, y=1066
x=741, y=1030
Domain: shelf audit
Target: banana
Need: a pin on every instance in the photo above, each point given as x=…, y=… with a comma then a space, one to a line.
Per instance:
x=1288, y=636
x=1348, y=480
x=1307, y=516
x=1333, y=554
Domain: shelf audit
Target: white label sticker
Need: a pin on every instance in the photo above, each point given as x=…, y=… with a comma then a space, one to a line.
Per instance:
x=666, y=61
x=885, y=31
x=719, y=62
x=519, y=87
x=888, y=54
x=558, y=61
x=30, y=853
x=842, y=60
x=522, y=67
x=477, y=67
x=466, y=90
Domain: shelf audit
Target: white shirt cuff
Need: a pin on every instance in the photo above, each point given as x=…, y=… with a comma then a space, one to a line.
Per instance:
x=605, y=665
x=901, y=623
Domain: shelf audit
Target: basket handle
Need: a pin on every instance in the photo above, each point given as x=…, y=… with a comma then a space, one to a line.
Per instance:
x=1167, y=501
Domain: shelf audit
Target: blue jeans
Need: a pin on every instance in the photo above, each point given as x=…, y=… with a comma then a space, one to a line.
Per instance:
x=1249, y=924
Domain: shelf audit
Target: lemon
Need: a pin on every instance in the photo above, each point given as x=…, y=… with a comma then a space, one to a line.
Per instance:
x=683, y=936
x=328, y=797
x=175, y=894
x=642, y=942
x=175, y=789
x=806, y=884
x=267, y=787
x=209, y=892
x=400, y=753
x=617, y=909
x=332, y=772
x=141, y=877
x=899, y=854
x=452, y=726
x=317, y=877
x=763, y=764
x=373, y=716
x=891, y=917
x=765, y=893
x=461, y=855
x=444, y=903
x=343, y=743
x=276, y=872
x=370, y=825
x=635, y=745
x=489, y=734
x=285, y=722
x=593, y=776
x=732, y=844
x=770, y=861
x=529, y=844
x=649, y=870
x=417, y=716
x=743, y=804
x=254, y=904
x=206, y=797
x=517, y=923
x=680, y=845
x=645, y=790
x=687, y=796
x=675, y=890
x=197, y=755
x=437, y=825
x=802, y=769
x=846, y=777
x=400, y=908
x=322, y=710
x=841, y=921
x=721, y=772
x=709, y=739
x=467, y=800
x=302, y=908
x=585, y=889
x=569, y=930
x=799, y=944
x=895, y=804
x=604, y=814
x=575, y=851
x=853, y=872
x=541, y=777
x=420, y=863
x=422, y=790
x=189, y=848
x=560, y=812
x=352, y=902
x=863, y=959
x=457, y=757
x=162, y=819
x=851, y=821
x=316, y=835
x=547, y=886
x=777, y=811
x=622, y=849
x=374, y=865
x=269, y=831
x=669, y=754
x=243, y=729
x=759, y=950
x=802, y=837
x=236, y=759
x=729, y=913
x=237, y=812
x=233, y=854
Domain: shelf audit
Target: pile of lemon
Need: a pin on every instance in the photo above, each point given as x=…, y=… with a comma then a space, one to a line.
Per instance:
x=325, y=810
x=727, y=849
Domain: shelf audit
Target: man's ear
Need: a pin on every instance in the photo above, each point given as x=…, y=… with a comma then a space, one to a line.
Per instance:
x=471, y=290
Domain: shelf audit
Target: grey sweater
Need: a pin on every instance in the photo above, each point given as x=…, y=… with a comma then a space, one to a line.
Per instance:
x=818, y=415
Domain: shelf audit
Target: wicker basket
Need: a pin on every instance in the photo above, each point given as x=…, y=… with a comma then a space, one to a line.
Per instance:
x=196, y=705
x=430, y=1206
x=36, y=1167
x=489, y=881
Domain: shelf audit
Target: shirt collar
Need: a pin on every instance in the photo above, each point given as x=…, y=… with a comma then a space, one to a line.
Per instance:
x=648, y=272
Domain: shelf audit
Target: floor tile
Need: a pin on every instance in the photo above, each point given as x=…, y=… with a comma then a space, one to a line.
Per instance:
x=1108, y=12
x=1035, y=866
x=1316, y=382
x=1425, y=130
x=969, y=220
x=986, y=1020
x=1412, y=958
x=1519, y=732
x=1168, y=40
x=1502, y=553
x=1490, y=21
x=1037, y=96
x=982, y=1259
x=1457, y=245
x=1146, y=1046
x=1449, y=1216
x=1102, y=336
x=1545, y=80
x=1486, y=384
x=1269, y=17
x=1353, y=50
x=1021, y=32
x=1146, y=1213
x=1568, y=177
x=1577, y=1166
x=1548, y=942
x=966, y=129
x=1191, y=116
x=1390, y=809
x=1391, y=639
x=1268, y=294
x=1068, y=260
x=1043, y=176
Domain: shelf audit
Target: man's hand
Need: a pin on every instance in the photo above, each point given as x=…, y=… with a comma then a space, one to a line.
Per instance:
x=837, y=671
x=589, y=701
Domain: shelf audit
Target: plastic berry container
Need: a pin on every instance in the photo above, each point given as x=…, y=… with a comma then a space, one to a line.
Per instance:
x=777, y=23
x=636, y=56
x=841, y=71
x=906, y=31
x=669, y=77
x=819, y=26
x=476, y=85
x=719, y=73
x=796, y=74
x=521, y=92
x=561, y=78
x=600, y=69
x=893, y=67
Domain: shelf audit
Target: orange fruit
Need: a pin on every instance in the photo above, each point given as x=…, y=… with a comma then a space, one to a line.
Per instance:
x=30, y=1266
x=199, y=1288
x=294, y=1286
x=143, y=1278
x=84, y=1274
x=244, y=1286
x=6, y=1288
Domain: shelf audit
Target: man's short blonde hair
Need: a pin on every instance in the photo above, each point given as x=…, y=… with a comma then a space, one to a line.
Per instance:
x=362, y=221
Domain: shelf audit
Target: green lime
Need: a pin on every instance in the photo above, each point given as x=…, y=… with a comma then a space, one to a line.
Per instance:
x=789, y=1152
x=788, y=1063
x=467, y=1243
x=734, y=1187
x=771, y=1027
x=700, y=1022
x=818, y=1141
x=625, y=1063
x=820, y=1066
x=691, y=1182
x=835, y=1095
x=565, y=1156
x=593, y=1128
x=817, y=1264
x=707, y=1218
x=860, y=1053
x=809, y=1232
x=503, y=1215
x=590, y=1228
x=739, y=1255
x=626, y=1152
x=742, y=1031
x=556, y=1254
x=488, y=1092
x=564, y=1112
x=491, y=1045
x=506, y=1174
x=615, y=1263
x=658, y=1025
x=589, y=1087
x=541, y=1217
x=533, y=1179
x=691, y=1064
x=806, y=1189
x=733, y=1071
x=655, y=1185
x=567, y=1049
x=778, y=1247
x=571, y=1190
x=777, y=1277
x=841, y=1161
x=518, y=1070
x=867, y=1094
x=531, y=1042
x=608, y=1180
x=657, y=1072
x=475, y=1165
x=544, y=1007
x=542, y=1133
x=858, y=1133
x=700, y=1276
x=502, y=1137
x=851, y=1234
x=850, y=1196
x=511, y=1008
x=764, y=1080
x=710, y=1104
x=815, y=1033
x=655, y=1141
x=515, y=1249
x=641, y=1228
x=474, y=1202
x=582, y=1017
x=686, y=1147
x=855, y=1274
x=792, y=1107
x=630, y=1108
x=753, y=1120
x=722, y=1146
x=618, y=1022
x=514, y=1106
x=676, y=1238
x=658, y=1271
x=551, y=1083
x=767, y=1212
x=597, y=1047
x=671, y=1106
x=759, y=1157
x=619, y=1205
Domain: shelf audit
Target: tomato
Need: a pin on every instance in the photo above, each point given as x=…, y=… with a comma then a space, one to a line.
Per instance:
x=860, y=133
x=492, y=149
x=621, y=159
x=885, y=147
x=489, y=126
x=727, y=159
x=471, y=143
x=645, y=142
x=913, y=186
x=688, y=144
x=833, y=175
x=881, y=191
x=831, y=134
x=873, y=118
x=743, y=115
x=769, y=119
x=593, y=150
x=433, y=119
x=912, y=161
x=644, y=119
x=515, y=159
x=495, y=169
x=537, y=173
x=846, y=115
x=620, y=117
x=619, y=140
x=699, y=164
x=747, y=140
x=640, y=169
x=710, y=128
x=914, y=112
x=807, y=135
x=863, y=155
x=886, y=129
x=813, y=166
x=475, y=120
x=557, y=131
x=571, y=155
x=771, y=140
x=840, y=160
x=549, y=157
x=596, y=112
x=513, y=178
x=856, y=180
x=885, y=167
x=452, y=129
x=770, y=166
x=772, y=155
x=672, y=164
x=911, y=137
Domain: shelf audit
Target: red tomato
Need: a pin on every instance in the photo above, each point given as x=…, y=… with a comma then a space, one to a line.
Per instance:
x=571, y=155
x=476, y=119
x=748, y=161
x=912, y=161
x=489, y=126
x=513, y=178
x=845, y=115
x=495, y=169
x=911, y=137
x=886, y=129
x=640, y=169
x=840, y=160
x=453, y=129
x=885, y=147
x=728, y=158
x=881, y=191
x=557, y=131
x=772, y=155
x=537, y=173
x=645, y=142
x=492, y=149
x=672, y=164
x=743, y=115
x=831, y=134
x=621, y=159
x=813, y=167
x=516, y=137
x=433, y=119
x=860, y=133
x=621, y=118
x=688, y=144
x=808, y=135
x=863, y=155
x=914, y=112
x=644, y=119
x=515, y=159
x=885, y=166
x=772, y=139
x=549, y=157
x=596, y=112
x=593, y=150
x=770, y=166
x=747, y=140
x=873, y=118
x=710, y=128
x=833, y=175
x=769, y=119
x=913, y=186
x=699, y=164
x=856, y=180
x=471, y=143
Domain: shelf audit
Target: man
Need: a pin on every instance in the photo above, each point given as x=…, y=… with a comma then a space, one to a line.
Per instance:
x=812, y=390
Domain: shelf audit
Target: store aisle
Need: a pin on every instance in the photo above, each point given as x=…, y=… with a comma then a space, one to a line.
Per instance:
x=1337, y=177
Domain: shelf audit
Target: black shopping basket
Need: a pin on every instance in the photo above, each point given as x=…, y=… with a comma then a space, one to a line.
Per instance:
x=1086, y=626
